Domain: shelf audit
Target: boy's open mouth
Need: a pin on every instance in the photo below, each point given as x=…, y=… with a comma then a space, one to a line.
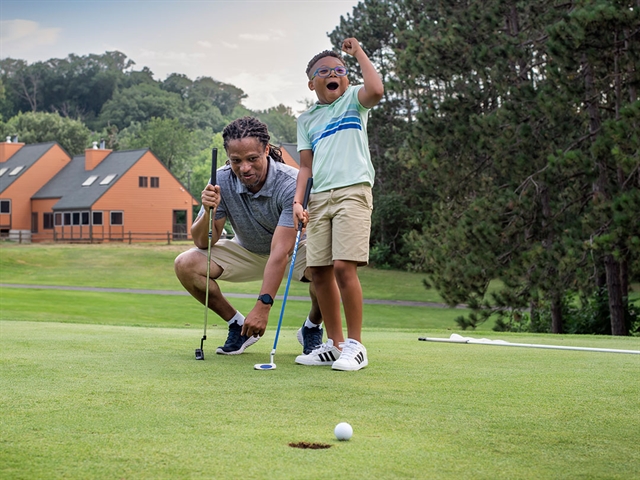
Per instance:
x=333, y=86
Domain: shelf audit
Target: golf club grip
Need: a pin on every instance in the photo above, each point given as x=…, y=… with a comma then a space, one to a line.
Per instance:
x=214, y=165
x=307, y=192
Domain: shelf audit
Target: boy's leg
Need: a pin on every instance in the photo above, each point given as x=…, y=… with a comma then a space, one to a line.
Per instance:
x=346, y=274
x=329, y=302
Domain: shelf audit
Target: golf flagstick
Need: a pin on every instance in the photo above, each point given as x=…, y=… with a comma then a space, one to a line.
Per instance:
x=212, y=213
x=271, y=365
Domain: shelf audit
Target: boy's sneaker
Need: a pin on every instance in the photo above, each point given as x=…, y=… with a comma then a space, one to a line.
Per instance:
x=325, y=354
x=310, y=338
x=236, y=343
x=353, y=356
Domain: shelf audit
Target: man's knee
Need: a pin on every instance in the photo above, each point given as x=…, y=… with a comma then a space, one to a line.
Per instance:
x=184, y=262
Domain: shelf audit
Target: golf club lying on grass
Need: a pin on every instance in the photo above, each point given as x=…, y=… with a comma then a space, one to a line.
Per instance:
x=212, y=213
x=271, y=365
x=455, y=338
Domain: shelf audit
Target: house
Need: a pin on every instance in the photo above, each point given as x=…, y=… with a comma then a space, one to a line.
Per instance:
x=96, y=197
x=290, y=154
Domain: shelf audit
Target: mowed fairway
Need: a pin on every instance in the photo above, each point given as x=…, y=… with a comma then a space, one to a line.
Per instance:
x=105, y=385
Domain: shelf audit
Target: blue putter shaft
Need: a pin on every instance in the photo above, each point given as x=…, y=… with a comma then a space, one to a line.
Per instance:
x=271, y=365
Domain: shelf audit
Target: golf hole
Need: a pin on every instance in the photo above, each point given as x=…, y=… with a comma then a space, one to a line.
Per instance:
x=313, y=446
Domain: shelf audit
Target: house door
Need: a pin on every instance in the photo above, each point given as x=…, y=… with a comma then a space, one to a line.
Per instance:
x=179, y=224
x=34, y=222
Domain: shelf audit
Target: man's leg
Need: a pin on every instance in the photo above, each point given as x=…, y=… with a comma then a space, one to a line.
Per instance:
x=191, y=270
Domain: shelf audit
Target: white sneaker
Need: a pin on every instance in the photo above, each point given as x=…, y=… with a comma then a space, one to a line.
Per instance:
x=353, y=356
x=325, y=354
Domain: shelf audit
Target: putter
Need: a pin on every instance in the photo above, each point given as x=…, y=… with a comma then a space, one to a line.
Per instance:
x=271, y=365
x=212, y=212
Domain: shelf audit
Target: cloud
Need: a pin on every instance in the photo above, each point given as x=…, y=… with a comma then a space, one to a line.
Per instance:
x=204, y=43
x=263, y=37
x=24, y=35
x=268, y=90
x=161, y=60
x=230, y=45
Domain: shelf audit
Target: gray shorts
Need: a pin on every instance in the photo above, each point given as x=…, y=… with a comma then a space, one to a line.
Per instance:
x=241, y=265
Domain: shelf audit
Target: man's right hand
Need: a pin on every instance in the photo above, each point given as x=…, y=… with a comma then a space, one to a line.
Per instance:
x=211, y=196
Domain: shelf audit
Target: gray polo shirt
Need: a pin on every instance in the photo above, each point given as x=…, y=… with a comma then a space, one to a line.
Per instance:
x=255, y=216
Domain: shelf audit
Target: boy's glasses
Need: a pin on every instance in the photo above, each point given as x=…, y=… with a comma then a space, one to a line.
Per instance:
x=324, y=72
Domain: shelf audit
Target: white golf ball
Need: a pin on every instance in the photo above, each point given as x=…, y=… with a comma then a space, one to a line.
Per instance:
x=343, y=431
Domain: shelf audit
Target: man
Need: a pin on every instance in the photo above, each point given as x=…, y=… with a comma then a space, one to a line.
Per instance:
x=255, y=193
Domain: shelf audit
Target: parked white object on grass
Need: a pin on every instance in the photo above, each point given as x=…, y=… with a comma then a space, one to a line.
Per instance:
x=455, y=338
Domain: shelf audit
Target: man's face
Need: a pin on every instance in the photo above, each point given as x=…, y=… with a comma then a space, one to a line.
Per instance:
x=330, y=88
x=248, y=160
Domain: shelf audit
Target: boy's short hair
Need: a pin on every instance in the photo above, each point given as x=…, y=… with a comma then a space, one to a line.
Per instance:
x=324, y=53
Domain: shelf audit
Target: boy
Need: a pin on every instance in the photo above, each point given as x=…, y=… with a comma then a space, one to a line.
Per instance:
x=334, y=149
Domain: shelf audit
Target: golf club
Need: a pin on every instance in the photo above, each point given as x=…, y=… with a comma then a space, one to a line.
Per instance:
x=271, y=365
x=212, y=212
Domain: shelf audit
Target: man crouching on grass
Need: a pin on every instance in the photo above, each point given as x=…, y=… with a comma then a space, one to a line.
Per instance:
x=255, y=191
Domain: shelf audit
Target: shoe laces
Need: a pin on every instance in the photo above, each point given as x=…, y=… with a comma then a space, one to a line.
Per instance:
x=349, y=350
x=234, y=336
x=323, y=347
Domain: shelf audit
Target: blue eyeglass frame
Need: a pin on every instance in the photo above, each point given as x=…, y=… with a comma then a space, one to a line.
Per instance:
x=346, y=72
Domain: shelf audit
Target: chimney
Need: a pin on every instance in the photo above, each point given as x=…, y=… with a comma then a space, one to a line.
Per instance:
x=8, y=148
x=93, y=156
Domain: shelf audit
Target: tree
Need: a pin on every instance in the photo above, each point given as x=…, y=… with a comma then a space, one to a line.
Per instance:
x=35, y=127
x=281, y=123
x=139, y=103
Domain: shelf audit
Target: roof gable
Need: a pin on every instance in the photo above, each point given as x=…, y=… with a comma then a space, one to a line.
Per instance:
x=26, y=157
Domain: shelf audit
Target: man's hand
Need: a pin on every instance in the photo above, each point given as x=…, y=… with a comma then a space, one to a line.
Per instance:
x=255, y=324
x=351, y=46
x=211, y=196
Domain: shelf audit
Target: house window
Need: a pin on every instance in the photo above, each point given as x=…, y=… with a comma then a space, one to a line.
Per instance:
x=2, y=170
x=97, y=218
x=67, y=218
x=117, y=218
x=155, y=182
x=5, y=206
x=16, y=170
x=47, y=221
x=76, y=218
x=90, y=180
x=85, y=218
x=107, y=180
x=143, y=182
x=58, y=219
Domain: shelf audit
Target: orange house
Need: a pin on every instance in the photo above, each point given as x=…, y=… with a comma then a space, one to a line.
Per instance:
x=105, y=196
x=290, y=154
x=25, y=169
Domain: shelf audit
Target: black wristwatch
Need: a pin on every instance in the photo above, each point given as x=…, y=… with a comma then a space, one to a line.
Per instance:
x=266, y=299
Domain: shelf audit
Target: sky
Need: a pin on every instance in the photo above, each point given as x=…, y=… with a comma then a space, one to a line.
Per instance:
x=260, y=46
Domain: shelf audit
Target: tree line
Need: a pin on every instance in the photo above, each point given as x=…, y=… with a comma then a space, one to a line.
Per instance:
x=507, y=147
x=507, y=152
x=101, y=97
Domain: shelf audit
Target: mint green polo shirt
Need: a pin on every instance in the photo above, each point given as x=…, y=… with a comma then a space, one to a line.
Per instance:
x=337, y=135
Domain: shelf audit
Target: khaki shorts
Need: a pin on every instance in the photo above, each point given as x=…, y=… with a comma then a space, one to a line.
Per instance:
x=241, y=265
x=339, y=225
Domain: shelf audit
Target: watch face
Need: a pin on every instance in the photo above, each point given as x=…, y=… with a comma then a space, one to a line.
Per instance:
x=266, y=299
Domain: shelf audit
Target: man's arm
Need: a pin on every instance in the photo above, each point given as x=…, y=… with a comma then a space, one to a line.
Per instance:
x=282, y=243
x=371, y=93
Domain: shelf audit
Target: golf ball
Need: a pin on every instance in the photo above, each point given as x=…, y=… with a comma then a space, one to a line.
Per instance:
x=343, y=431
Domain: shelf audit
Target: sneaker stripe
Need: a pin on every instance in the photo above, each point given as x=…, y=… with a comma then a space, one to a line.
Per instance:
x=360, y=357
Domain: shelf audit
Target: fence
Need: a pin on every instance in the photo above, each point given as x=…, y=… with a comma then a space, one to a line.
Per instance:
x=120, y=237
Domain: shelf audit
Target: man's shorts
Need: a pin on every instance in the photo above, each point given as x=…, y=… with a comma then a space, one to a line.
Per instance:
x=339, y=225
x=241, y=265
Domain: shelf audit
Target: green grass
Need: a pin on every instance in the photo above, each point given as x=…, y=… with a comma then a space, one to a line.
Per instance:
x=105, y=385
x=95, y=401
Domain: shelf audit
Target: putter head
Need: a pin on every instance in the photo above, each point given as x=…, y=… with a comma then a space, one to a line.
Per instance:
x=264, y=366
x=199, y=354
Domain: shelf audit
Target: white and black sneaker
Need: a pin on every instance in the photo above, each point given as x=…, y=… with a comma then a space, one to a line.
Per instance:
x=325, y=354
x=353, y=356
